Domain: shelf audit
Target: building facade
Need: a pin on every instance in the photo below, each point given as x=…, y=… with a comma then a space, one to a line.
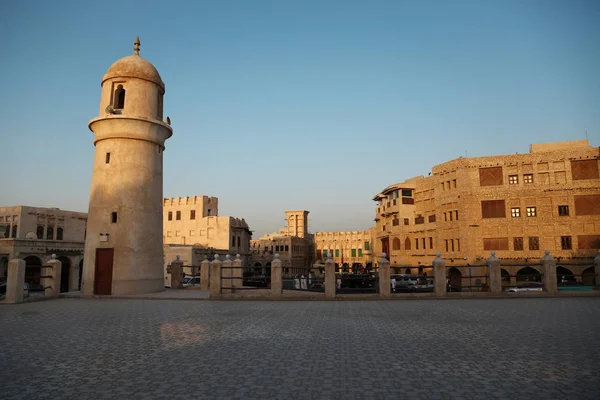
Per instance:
x=517, y=205
x=351, y=251
x=35, y=233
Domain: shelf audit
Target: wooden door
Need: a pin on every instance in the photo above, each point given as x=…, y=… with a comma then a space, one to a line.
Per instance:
x=385, y=247
x=104, y=270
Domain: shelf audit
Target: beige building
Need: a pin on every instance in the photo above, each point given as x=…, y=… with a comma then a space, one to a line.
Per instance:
x=35, y=233
x=293, y=243
x=517, y=205
x=124, y=244
x=195, y=221
x=351, y=251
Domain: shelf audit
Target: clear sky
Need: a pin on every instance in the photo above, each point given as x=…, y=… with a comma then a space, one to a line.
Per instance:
x=306, y=104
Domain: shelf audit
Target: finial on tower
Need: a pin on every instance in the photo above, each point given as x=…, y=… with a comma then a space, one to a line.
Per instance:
x=136, y=46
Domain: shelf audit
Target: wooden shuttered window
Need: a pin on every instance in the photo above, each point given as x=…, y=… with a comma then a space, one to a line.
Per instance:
x=588, y=242
x=587, y=204
x=495, y=244
x=493, y=209
x=490, y=176
x=584, y=169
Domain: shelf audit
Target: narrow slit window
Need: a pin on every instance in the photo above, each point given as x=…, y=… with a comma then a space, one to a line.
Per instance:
x=119, y=103
x=108, y=158
x=113, y=217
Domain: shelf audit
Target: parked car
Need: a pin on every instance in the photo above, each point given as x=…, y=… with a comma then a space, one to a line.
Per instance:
x=574, y=286
x=3, y=290
x=404, y=282
x=526, y=287
x=191, y=281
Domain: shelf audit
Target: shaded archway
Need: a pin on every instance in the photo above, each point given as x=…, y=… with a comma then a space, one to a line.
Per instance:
x=357, y=267
x=268, y=269
x=65, y=271
x=337, y=267
x=369, y=266
x=345, y=267
x=564, y=274
x=504, y=277
x=588, y=276
x=257, y=268
x=455, y=280
x=528, y=274
x=407, y=271
x=33, y=269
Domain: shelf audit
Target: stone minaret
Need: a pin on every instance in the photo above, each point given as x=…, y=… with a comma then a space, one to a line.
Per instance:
x=124, y=240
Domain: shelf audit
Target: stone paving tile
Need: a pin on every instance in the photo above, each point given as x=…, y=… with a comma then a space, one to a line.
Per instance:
x=417, y=349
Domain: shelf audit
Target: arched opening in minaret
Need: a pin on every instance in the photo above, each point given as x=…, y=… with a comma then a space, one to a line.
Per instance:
x=119, y=99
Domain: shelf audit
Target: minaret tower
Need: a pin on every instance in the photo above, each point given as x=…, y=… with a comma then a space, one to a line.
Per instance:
x=124, y=239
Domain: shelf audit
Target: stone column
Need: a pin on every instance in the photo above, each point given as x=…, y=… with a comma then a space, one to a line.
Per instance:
x=215, y=277
x=205, y=274
x=15, y=281
x=237, y=272
x=276, y=277
x=53, y=268
x=549, y=273
x=177, y=274
x=384, y=277
x=226, y=274
x=597, y=269
x=439, y=275
x=493, y=271
x=330, y=278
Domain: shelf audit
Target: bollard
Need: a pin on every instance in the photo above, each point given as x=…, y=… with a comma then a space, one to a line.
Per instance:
x=226, y=274
x=493, y=269
x=549, y=273
x=215, y=277
x=276, y=277
x=597, y=270
x=15, y=281
x=177, y=274
x=205, y=274
x=384, y=276
x=330, y=279
x=237, y=272
x=53, y=268
x=439, y=274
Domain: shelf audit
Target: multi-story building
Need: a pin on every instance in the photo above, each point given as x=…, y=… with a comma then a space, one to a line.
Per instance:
x=293, y=244
x=35, y=233
x=517, y=205
x=351, y=251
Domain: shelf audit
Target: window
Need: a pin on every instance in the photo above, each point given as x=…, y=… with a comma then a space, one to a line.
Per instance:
x=534, y=243
x=170, y=217
x=531, y=212
x=565, y=243
x=490, y=176
x=13, y=232
x=495, y=244
x=233, y=241
x=406, y=221
x=518, y=243
x=178, y=216
x=395, y=222
x=119, y=99
x=408, y=200
x=453, y=183
x=423, y=242
x=406, y=192
x=446, y=242
x=515, y=212
x=287, y=248
x=528, y=178
x=417, y=244
x=337, y=252
x=432, y=218
x=493, y=209
x=452, y=244
x=50, y=233
x=450, y=212
x=458, y=245
x=396, y=244
x=384, y=228
x=588, y=242
x=239, y=240
x=407, y=244
x=456, y=215
x=107, y=158
x=584, y=169
x=431, y=243
x=367, y=246
x=208, y=212
x=360, y=252
x=445, y=217
x=419, y=220
x=40, y=232
x=353, y=252
x=113, y=217
x=587, y=204
x=193, y=214
x=59, y=233
x=563, y=211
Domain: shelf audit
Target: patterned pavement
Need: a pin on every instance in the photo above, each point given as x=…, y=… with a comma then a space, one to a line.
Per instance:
x=413, y=349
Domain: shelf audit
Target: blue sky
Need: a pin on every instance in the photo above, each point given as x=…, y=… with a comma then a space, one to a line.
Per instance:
x=313, y=105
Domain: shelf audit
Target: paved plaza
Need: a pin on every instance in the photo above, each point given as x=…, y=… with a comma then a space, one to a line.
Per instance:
x=414, y=349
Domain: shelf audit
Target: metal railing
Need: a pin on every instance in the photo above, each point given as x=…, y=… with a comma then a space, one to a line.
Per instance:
x=244, y=281
x=307, y=280
x=356, y=283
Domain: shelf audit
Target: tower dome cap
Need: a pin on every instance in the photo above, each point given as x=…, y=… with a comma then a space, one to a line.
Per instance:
x=134, y=66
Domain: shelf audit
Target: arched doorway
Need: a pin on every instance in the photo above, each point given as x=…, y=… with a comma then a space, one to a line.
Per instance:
x=504, y=277
x=564, y=274
x=257, y=268
x=369, y=266
x=528, y=274
x=268, y=269
x=345, y=267
x=455, y=277
x=3, y=269
x=407, y=271
x=65, y=271
x=588, y=276
x=33, y=272
x=80, y=274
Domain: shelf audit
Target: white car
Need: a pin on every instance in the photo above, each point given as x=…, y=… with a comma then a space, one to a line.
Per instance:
x=526, y=287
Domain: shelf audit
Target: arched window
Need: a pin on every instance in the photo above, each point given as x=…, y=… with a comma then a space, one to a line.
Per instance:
x=119, y=99
x=59, y=233
x=396, y=244
x=14, y=231
x=50, y=233
x=40, y=232
x=407, y=244
x=7, y=231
